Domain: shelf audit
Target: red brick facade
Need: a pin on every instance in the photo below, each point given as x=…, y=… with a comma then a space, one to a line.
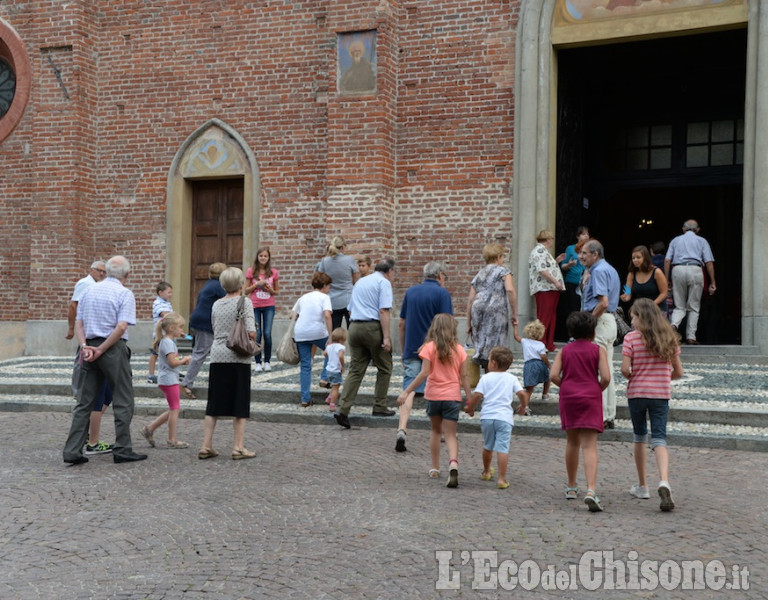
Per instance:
x=420, y=170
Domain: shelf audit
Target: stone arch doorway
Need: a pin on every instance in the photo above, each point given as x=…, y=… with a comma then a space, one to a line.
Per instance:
x=214, y=153
x=644, y=145
x=536, y=186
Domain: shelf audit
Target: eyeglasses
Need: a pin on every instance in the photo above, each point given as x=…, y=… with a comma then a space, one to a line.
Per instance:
x=102, y=271
x=444, y=276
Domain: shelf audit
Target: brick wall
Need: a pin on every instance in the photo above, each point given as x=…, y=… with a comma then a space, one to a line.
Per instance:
x=421, y=170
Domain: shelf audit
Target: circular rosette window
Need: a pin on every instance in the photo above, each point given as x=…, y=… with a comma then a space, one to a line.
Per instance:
x=7, y=86
x=15, y=77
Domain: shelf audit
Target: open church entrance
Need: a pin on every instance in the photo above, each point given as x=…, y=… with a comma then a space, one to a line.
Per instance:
x=650, y=134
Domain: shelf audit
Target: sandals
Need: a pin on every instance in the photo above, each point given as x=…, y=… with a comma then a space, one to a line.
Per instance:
x=148, y=435
x=189, y=393
x=489, y=476
x=593, y=501
x=503, y=486
x=177, y=445
x=207, y=453
x=571, y=493
x=242, y=453
x=453, y=474
x=325, y=384
x=434, y=473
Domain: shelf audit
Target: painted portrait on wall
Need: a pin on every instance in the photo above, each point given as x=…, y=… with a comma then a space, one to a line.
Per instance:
x=357, y=63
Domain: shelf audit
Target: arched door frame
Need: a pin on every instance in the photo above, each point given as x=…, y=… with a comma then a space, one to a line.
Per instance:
x=535, y=158
x=214, y=151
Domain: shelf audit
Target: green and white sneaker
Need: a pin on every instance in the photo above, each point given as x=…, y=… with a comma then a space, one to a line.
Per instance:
x=99, y=448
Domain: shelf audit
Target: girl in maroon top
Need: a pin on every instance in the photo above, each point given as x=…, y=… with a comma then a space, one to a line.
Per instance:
x=581, y=371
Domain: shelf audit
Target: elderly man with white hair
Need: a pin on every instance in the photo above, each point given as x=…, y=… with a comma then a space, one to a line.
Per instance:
x=601, y=298
x=687, y=255
x=104, y=313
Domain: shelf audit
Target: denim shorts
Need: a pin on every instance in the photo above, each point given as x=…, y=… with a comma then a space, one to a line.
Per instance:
x=104, y=397
x=333, y=378
x=657, y=410
x=535, y=372
x=447, y=409
x=411, y=368
x=496, y=435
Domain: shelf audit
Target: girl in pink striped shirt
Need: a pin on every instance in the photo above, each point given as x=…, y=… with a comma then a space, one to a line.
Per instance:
x=650, y=360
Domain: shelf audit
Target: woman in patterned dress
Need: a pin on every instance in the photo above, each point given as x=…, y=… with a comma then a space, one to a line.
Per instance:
x=491, y=296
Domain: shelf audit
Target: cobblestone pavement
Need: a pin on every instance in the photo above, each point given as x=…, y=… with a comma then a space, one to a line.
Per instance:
x=324, y=512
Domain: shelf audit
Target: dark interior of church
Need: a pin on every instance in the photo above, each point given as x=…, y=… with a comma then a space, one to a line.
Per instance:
x=651, y=134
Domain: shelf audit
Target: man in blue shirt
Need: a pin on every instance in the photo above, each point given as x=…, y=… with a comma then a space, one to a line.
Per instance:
x=201, y=327
x=369, y=340
x=601, y=298
x=687, y=254
x=420, y=305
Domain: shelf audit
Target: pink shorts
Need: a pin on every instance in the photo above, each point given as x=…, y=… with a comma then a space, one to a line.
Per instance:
x=172, y=395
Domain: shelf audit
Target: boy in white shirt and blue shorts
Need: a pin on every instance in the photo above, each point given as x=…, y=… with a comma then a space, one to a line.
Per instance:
x=496, y=389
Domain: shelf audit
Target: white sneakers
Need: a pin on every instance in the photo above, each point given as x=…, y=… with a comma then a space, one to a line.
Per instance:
x=257, y=368
x=665, y=493
x=267, y=367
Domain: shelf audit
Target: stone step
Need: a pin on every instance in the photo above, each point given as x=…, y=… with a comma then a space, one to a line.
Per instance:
x=717, y=400
x=731, y=437
x=751, y=414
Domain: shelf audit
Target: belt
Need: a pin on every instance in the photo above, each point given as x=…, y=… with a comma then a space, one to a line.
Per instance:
x=688, y=264
x=364, y=321
x=95, y=340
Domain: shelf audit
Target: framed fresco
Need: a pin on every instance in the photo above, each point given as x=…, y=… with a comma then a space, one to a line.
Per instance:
x=356, y=63
x=579, y=21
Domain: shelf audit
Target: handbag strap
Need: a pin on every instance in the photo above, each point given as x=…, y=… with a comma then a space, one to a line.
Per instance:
x=240, y=308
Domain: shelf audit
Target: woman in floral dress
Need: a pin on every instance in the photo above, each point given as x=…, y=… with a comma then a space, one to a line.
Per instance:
x=491, y=297
x=545, y=283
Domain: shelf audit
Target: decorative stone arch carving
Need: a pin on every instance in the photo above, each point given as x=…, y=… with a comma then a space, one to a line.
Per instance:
x=535, y=152
x=214, y=151
x=13, y=52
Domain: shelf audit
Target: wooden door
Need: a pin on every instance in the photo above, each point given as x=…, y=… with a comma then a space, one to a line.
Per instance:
x=217, y=229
